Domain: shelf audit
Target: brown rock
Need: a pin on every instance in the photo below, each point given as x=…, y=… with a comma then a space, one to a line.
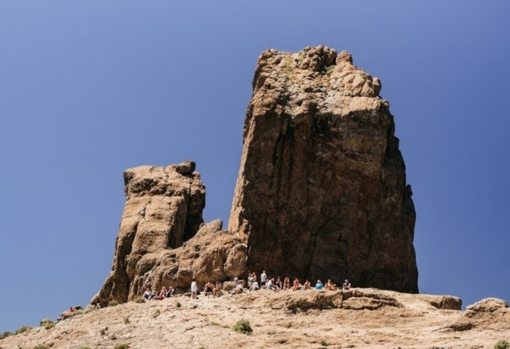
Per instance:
x=489, y=313
x=162, y=240
x=163, y=210
x=447, y=302
x=321, y=190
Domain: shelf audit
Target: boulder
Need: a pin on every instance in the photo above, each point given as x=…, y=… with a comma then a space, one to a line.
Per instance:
x=489, y=313
x=321, y=191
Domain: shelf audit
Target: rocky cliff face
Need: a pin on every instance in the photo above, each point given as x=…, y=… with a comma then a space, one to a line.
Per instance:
x=322, y=190
x=162, y=241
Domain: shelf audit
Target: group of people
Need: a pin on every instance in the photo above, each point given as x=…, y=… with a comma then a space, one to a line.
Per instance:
x=210, y=289
x=154, y=295
x=279, y=284
x=252, y=284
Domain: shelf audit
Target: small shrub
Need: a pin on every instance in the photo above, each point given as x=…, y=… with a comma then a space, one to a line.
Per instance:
x=113, y=337
x=40, y=346
x=22, y=329
x=126, y=320
x=5, y=334
x=140, y=300
x=324, y=343
x=214, y=323
x=113, y=303
x=84, y=347
x=121, y=346
x=243, y=326
x=178, y=305
x=49, y=325
x=102, y=332
x=502, y=344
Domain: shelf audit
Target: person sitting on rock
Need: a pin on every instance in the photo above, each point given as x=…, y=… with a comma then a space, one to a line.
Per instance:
x=154, y=294
x=170, y=292
x=286, y=283
x=346, y=285
x=319, y=285
x=278, y=283
x=296, y=285
x=254, y=286
x=330, y=286
x=270, y=285
x=306, y=285
x=218, y=289
x=162, y=294
x=147, y=293
x=239, y=287
x=208, y=289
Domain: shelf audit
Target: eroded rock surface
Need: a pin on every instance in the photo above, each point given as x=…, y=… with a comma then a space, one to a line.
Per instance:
x=162, y=240
x=489, y=313
x=359, y=318
x=322, y=190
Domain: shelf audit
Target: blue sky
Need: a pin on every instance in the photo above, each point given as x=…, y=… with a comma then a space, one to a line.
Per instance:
x=90, y=88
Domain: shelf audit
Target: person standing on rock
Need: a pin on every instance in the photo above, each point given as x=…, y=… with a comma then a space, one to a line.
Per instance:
x=194, y=289
x=263, y=279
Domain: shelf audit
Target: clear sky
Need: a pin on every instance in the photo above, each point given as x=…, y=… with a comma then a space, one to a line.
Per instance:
x=90, y=88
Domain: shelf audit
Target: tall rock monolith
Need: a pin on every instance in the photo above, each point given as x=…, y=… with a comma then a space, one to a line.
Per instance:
x=322, y=191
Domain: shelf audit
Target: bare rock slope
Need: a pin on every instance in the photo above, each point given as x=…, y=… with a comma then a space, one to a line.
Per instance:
x=322, y=189
x=359, y=318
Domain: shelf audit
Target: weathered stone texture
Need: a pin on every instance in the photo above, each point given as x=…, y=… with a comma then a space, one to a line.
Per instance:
x=162, y=240
x=322, y=190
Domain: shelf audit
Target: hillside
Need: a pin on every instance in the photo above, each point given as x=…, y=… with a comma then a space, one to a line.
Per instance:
x=359, y=318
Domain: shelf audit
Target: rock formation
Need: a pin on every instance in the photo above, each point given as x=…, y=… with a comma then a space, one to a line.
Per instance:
x=322, y=190
x=489, y=313
x=158, y=243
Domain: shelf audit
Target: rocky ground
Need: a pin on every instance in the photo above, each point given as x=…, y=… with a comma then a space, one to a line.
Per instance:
x=359, y=318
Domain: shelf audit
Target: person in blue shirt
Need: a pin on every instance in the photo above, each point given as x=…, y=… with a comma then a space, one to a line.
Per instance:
x=319, y=285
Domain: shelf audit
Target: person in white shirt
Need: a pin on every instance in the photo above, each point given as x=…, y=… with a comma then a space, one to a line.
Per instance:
x=194, y=289
x=263, y=278
x=346, y=285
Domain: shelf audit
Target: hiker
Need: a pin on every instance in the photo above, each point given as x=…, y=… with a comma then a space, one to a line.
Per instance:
x=147, y=293
x=319, y=285
x=330, y=285
x=194, y=289
x=346, y=285
x=306, y=285
x=208, y=289
x=295, y=284
x=170, y=292
x=263, y=279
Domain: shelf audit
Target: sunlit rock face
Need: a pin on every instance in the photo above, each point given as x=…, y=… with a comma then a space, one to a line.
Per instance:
x=322, y=191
